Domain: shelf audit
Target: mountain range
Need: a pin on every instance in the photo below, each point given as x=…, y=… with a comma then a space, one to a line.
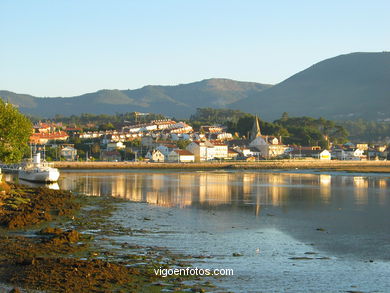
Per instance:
x=348, y=86
x=180, y=101
x=355, y=85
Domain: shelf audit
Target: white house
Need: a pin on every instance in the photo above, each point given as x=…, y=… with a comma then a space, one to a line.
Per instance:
x=220, y=149
x=354, y=154
x=348, y=154
x=182, y=156
x=268, y=146
x=115, y=146
x=69, y=153
x=224, y=135
x=324, y=155
x=155, y=156
x=202, y=151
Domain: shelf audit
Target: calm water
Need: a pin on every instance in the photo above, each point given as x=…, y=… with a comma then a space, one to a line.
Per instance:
x=342, y=220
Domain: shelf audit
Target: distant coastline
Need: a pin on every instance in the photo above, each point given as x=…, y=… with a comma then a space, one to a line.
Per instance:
x=348, y=166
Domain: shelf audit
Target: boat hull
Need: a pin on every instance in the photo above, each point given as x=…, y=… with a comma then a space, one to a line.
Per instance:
x=39, y=175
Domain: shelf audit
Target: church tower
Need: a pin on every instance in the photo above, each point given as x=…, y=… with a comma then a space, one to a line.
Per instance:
x=255, y=132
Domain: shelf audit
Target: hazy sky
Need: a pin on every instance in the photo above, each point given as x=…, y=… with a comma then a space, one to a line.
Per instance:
x=70, y=47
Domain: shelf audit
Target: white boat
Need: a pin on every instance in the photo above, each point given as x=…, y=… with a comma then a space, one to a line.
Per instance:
x=37, y=171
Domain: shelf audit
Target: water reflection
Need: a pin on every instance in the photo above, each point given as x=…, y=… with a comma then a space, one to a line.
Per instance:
x=13, y=178
x=325, y=186
x=183, y=189
x=361, y=186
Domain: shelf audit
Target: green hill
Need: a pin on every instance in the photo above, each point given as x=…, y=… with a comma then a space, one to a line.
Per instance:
x=349, y=86
x=179, y=101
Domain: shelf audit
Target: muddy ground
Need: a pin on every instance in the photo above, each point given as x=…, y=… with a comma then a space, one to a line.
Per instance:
x=56, y=241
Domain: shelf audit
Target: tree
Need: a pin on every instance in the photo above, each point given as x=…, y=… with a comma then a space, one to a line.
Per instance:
x=245, y=124
x=15, y=131
x=183, y=143
x=284, y=116
x=52, y=153
x=106, y=126
x=309, y=131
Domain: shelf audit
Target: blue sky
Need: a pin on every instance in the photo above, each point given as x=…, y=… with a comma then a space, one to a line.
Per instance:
x=70, y=47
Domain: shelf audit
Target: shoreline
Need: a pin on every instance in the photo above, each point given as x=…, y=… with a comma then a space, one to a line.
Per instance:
x=74, y=248
x=348, y=166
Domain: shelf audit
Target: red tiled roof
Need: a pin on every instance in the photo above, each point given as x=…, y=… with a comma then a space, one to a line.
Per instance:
x=170, y=145
x=217, y=142
x=184, y=152
x=49, y=136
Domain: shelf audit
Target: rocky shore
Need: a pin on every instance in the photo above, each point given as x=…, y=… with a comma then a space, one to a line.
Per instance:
x=56, y=241
x=349, y=166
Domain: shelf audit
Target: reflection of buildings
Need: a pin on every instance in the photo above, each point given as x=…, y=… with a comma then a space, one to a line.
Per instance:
x=276, y=190
x=360, y=189
x=187, y=188
x=182, y=189
x=214, y=188
x=382, y=185
x=247, y=180
x=325, y=187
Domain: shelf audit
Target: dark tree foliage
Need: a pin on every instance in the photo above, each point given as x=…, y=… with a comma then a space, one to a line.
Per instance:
x=52, y=153
x=245, y=123
x=305, y=131
x=106, y=126
x=15, y=130
x=311, y=131
x=368, y=131
x=216, y=116
x=183, y=143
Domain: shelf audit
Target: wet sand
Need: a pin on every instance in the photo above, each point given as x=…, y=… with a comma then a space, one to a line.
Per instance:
x=349, y=166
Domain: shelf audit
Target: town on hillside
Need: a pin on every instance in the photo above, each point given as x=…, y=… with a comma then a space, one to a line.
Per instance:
x=167, y=140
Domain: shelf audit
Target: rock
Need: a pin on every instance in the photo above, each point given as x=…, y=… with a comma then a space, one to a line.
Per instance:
x=301, y=258
x=321, y=229
x=72, y=236
x=237, y=254
x=51, y=231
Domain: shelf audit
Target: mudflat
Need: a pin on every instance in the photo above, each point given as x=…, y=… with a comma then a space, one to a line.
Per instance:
x=51, y=240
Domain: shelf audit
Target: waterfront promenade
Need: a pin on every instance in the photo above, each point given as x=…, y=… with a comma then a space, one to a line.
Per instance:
x=350, y=166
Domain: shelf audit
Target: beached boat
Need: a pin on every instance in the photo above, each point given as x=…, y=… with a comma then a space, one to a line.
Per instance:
x=37, y=171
